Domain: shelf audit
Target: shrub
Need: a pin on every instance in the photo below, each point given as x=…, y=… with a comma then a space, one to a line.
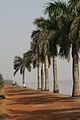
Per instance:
x=2, y=97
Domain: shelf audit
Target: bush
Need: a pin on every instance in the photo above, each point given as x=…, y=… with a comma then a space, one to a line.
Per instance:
x=13, y=84
x=2, y=97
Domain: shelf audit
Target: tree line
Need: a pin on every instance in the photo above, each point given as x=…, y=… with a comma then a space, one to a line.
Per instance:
x=57, y=35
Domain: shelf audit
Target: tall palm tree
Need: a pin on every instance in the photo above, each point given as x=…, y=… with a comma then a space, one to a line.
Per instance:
x=43, y=41
x=54, y=11
x=74, y=39
x=74, y=36
x=48, y=29
x=36, y=59
x=41, y=24
x=70, y=24
x=21, y=64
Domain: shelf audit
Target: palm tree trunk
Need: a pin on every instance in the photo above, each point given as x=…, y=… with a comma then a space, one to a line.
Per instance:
x=42, y=78
x=75, y=91
x=46, y=74
x=39, y=75
x=23, y=79
x=55, y=87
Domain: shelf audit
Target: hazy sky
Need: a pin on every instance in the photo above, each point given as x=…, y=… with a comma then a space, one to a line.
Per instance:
x=16, y=25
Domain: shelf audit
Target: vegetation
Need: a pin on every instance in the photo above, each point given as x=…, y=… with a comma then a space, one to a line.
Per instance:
x=4, y=116
x=21, y=64
x=2, y=97
x=9, y=82
x=1, y=86
x=56, y=36
x=1, y=81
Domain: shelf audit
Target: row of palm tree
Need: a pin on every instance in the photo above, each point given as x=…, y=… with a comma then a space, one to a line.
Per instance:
x=56, y=36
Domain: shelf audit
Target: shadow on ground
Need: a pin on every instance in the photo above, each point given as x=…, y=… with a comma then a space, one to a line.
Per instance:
x=22, y=97
x=62, y=114
x=37, y=97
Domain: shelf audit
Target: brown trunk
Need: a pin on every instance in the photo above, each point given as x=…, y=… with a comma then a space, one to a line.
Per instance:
x=46, y=74
x=39, y=75
x=42, y=78
x=75, y=91
x=55, y=87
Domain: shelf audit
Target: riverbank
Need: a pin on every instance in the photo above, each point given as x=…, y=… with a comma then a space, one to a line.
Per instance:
x=28, y=104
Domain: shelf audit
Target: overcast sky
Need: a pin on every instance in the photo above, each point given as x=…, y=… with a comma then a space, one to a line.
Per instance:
x=16, y=25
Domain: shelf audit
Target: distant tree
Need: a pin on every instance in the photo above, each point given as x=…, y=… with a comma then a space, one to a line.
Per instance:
x=21, y=64
x=1, y=81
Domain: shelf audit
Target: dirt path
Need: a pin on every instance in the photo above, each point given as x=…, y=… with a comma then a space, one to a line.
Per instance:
x=28, y=104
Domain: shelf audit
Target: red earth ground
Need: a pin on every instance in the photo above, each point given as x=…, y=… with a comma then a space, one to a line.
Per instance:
x=28, y=104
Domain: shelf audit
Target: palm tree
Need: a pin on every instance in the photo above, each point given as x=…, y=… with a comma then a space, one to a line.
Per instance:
x=70, y=24
x=74, y=36
x=74, y=39
x=48, y=30
x=36, y=59
x=43, y=41
x=21, y=64
x=54, y=11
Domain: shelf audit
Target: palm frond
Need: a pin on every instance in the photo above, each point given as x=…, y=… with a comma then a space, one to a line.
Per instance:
x=16, y=70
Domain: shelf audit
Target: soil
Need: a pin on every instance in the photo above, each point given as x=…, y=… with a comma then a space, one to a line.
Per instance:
x=28, y=104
